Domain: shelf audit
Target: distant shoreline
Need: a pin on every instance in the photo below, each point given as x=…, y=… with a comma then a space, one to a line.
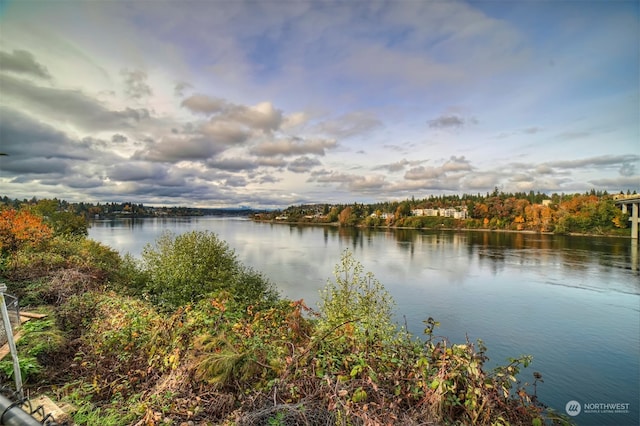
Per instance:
x=509, y=231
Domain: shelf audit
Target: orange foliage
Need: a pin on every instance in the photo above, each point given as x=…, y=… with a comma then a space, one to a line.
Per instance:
x=19, y=228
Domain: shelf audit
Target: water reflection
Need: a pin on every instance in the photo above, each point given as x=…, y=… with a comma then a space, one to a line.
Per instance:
x=493, y=250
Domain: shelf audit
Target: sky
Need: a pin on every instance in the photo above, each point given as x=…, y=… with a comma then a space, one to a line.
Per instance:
x=268, y=104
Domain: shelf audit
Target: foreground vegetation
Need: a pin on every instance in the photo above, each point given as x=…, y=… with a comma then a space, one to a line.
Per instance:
x=189, y=334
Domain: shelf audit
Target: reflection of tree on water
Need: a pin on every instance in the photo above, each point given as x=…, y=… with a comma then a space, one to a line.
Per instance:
x=119, y=223
x=352, y=236
x=573, y=252
x=495, y=249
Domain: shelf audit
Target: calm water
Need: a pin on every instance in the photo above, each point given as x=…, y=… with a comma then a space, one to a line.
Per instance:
x=571, y=302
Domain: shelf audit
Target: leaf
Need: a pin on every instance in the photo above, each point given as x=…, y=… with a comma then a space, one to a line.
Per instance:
x=359, y=395
x=356, y=370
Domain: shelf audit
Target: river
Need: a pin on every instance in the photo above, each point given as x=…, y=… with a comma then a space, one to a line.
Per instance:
x=571, y=302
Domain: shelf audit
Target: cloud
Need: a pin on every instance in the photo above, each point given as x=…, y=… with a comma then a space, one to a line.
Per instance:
x=236, y=181
x=627, y=169
x=173, y=148
x=526, y=131
x=25, y=138
x=483, y=180
x=457, y=164
x=236, y=164
x=521, y=177
x=39, y=154
x=351, y=124
x=395, y=147
x=118, y=138
x=451, y=122
x=367, y=183
x=262, y=116
x=235, y=103
x=303, y=164
x=137, y=171
x=80, y=182
x=348, y=181
x=136, y=86
x=294, y=120
x=203, y=104
x=602, y=160
x=180, y=87
x=575, y=135
x=271, y=161
x=399, y=69
x=398, y=165
x=224, y=132
x=35, y=166
x=293, y=146
x=420, y=173
x=543, y=169
x=22, y=62
x=454, y=164
x=69, y=106
x=326, y=176
x=622, y=182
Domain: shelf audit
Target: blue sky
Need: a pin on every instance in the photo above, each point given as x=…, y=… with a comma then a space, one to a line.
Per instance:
x=274, y=103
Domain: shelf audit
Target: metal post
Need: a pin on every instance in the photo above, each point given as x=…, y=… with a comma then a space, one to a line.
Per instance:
x=12, y=415
x=634, y=221
x=12, y=344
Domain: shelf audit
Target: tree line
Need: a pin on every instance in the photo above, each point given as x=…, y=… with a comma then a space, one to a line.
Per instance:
x=593, y=212
x=109, y=210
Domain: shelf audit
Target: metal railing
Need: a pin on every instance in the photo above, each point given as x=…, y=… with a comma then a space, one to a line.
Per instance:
x=13, y=310
x=15, y=409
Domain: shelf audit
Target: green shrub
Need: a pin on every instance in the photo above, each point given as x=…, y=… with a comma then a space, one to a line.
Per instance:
x=130, y=278
x=357, y=301
x=29, y=367
x=186, y=268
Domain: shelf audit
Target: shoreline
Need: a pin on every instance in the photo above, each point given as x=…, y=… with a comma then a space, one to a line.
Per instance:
x=511, y=231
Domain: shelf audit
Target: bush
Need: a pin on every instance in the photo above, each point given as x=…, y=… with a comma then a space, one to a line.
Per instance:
x=186, y=268
x=115, y=346
x=63, y=252
x=20, y=228
x=357, y=301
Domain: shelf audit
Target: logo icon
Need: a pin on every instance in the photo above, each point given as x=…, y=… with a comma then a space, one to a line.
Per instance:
x=572, y=408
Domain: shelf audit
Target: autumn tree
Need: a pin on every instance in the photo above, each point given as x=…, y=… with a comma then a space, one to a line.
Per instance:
x=21, y=228
x=347, y=217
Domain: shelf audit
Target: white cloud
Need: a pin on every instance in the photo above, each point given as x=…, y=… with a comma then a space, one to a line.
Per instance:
x=204, y=104
x=293, y=146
